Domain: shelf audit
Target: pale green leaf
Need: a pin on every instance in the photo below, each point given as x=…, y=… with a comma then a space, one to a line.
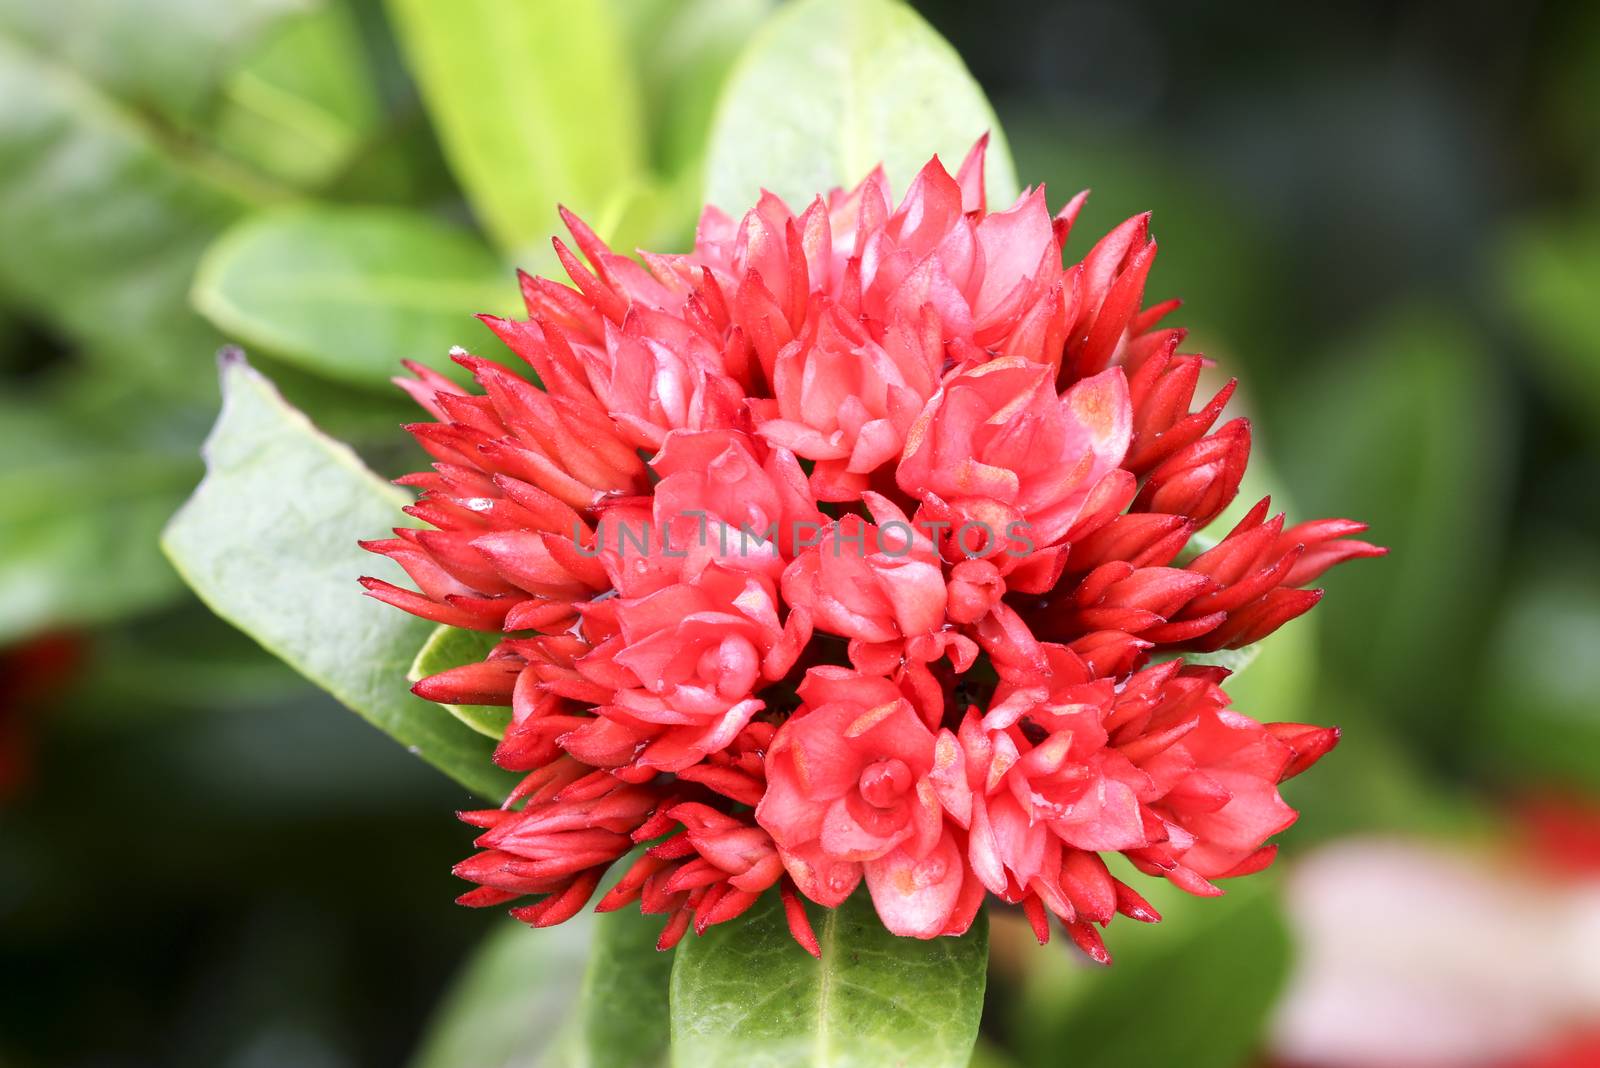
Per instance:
x=162, y=56
x=268, y=541
x=348, y=292
x=303, y=102
x=828, y=89
x=451, y=647
x=535, y=104
x=744, y=994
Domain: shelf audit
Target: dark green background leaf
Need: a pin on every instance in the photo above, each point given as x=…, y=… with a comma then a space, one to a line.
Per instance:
x=1409, y=432
x=104, y=222
x=79, y=520
x=516, y=1004
x=1194, y=989
x=515, y=995
x=1551, y=271
x=1538, y=720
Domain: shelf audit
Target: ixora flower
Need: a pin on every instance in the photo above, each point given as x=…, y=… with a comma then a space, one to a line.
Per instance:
x=853, y=547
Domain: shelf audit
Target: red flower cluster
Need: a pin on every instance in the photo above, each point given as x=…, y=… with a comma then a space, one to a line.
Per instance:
x=851, y=546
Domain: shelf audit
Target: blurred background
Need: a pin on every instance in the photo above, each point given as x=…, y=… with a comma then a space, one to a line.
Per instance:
x=1384, y=218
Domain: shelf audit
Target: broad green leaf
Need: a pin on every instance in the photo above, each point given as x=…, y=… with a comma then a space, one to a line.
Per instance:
x=1550, y=272
x=627, y=980
x=511, y=1000
x=1194, y=989
x=161, y=56
x=744, y=994
x=97, y=472
x=1538, y=716
x=683, y=50
x=1408, y=431
x=516, y=1004
x=303, y=102
x=1217, y=250
x=828, y=89
x=450, y=647
x=535, y=104
x=103, y=224
x=347, y=293
x=268, y=541
x=82, y=550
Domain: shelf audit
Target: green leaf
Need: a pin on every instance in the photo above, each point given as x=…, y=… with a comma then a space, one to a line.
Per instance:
x=162, y=56
x=346, y=293
x=627, y=980
x=1550, y=271
x=744, y=994
x=1194, y=989
x=535, y=105
x=79, y=519
x=1538, y=721
x=1406, y=429
x=828, y=89
x=79, y=528
x=1216, y=250
x=516, y=1006
x=513, y=995
x=684, y=50
x=82, y=550
x=103, y=223
x=301, y=105
x=268, y=541
x=451, y=647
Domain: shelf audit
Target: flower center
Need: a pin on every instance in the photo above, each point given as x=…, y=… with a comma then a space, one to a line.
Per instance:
x=881, y=784
x=732, y=665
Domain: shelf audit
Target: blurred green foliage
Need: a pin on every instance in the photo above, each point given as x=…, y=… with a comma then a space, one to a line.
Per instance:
x=1201, y=981
x=1386, y=227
